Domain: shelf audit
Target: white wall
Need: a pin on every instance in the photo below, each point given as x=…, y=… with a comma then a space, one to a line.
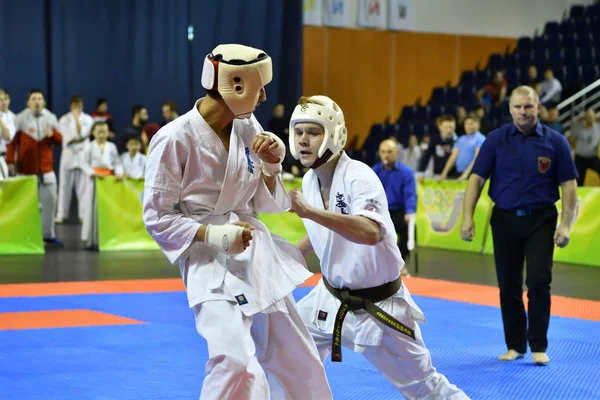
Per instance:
x=501, y=18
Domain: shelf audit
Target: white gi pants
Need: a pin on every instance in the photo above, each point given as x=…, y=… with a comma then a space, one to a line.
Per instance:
x=239, y=345
x=406, y=363
x=69, y=179
x=47, y=201
x=89, y=226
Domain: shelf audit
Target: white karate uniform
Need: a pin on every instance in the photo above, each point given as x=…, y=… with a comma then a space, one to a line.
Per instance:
x=9, y=121
x=243, y=303
x=404, y=361
x=92, y=157
x=70, y=173
x=134, y=167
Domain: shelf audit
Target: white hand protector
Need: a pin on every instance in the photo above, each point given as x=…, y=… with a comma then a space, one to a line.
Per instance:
x=270, y=169
x=225, y=238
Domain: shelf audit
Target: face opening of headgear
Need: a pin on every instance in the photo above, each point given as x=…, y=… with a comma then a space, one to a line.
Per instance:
x=325, y=112
x=238, y=73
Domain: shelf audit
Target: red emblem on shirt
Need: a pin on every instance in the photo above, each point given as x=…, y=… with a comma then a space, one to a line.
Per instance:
x=31, y=130
x=543, y=164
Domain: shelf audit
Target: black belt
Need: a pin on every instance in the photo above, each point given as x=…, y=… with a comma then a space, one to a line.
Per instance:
x=353, y=300
x=526, y=212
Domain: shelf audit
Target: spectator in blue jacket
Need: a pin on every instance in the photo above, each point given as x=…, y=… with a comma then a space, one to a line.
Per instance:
x=401, y=191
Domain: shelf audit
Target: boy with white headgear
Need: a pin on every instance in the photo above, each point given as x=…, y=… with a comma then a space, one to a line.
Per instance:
x=360, y=302
x=208, y=173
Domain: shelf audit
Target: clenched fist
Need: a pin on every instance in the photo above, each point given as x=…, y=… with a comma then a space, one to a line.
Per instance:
x=299, y=204
x=265, y=147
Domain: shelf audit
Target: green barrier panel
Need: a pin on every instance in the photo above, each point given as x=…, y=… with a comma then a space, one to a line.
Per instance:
x=584, y=242
x=439, y=216
x=121, y=228
x=20, y=220
x=120, y=223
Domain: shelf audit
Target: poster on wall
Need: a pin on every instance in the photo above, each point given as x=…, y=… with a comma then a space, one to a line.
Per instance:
x=401, y=15
x=373, y=14
x=340, y=13
x=313, y=12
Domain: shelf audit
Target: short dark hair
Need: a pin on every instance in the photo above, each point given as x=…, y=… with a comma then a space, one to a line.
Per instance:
x=171, y=104
x=136, y=138
x=135, y=110
x=447, y=117
x=472, y=116
x=75, y=99
x=97, y=124
x=100, y=101
x=34, y=91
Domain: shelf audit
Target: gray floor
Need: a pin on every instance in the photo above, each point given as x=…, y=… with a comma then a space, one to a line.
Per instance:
x=73, y=263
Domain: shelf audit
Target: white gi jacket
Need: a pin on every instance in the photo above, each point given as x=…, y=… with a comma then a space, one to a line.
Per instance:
x=92, y=157
x=9, y=121
x=192, y=180
x=70, y=157
x=355, y=190
x=135, y=167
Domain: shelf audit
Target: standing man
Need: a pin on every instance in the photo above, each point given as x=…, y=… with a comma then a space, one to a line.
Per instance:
x=208, y=174
x=7, y=131
x=33, y=144
x=465, y=150
x=401, y=192
x=75, y=127
x=360, y=302
x=526, y=163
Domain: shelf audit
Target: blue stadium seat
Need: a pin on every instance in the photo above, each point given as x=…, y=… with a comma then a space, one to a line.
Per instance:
x=495, y=62
x=590, y=73
x=524, y=43
x=577, y=11
x=407, y=113
x=437, y=96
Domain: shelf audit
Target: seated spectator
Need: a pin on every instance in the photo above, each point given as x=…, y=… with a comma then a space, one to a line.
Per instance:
x=461, y=114
x=587, y=138
x=484, y=122
x=550, y=119
x=440, y=148
x=411, y=155
x=532, y=79
x=550, y=90
x=495, y=91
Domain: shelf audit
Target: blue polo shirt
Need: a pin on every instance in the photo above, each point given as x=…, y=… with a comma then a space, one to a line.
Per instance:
x=525, y=171
x=400, y=186
x=466, y=145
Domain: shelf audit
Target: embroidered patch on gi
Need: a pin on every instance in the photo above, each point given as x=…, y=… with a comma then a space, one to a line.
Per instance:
x=322, y=315
x=372, y=205
x=241, y=299
x=250, y=163
x=340, y=203
x=544, y=164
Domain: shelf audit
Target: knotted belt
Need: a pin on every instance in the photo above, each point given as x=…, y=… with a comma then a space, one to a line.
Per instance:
x=353, y=300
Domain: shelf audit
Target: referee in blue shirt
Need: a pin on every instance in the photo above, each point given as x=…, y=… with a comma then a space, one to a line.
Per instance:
x=398, y=180
x=526, y=163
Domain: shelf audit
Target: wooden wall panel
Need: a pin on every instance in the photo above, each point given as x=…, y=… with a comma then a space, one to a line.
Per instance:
x=373, y=74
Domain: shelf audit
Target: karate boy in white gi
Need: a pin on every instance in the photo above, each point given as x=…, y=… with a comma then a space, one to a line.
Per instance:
x=361, y=302
x=208, y=174
x=98, y=159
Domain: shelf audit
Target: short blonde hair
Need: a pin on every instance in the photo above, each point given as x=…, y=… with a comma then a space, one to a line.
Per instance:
x=525, y=91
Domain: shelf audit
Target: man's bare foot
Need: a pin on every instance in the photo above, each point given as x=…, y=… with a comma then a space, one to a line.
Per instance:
x=510, y=355
x=540, y=358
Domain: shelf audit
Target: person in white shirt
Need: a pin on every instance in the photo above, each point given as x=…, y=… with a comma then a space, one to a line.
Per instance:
x=361, y=302
x=208, y=174
x=7, y=131
x=134, y=162
x=550, y=90
x=98, y=159
x=75, y=127
x=410, y=156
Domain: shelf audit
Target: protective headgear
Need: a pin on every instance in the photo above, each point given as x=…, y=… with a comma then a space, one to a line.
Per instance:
x=325, y=112
x=238, y=73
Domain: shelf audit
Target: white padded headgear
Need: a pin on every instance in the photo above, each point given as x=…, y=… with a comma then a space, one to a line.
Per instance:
x=325, y=112
x=238, y=73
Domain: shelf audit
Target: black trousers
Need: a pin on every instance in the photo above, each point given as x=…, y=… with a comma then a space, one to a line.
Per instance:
x=582, y=164
x=402, y=231
x=518, y=239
